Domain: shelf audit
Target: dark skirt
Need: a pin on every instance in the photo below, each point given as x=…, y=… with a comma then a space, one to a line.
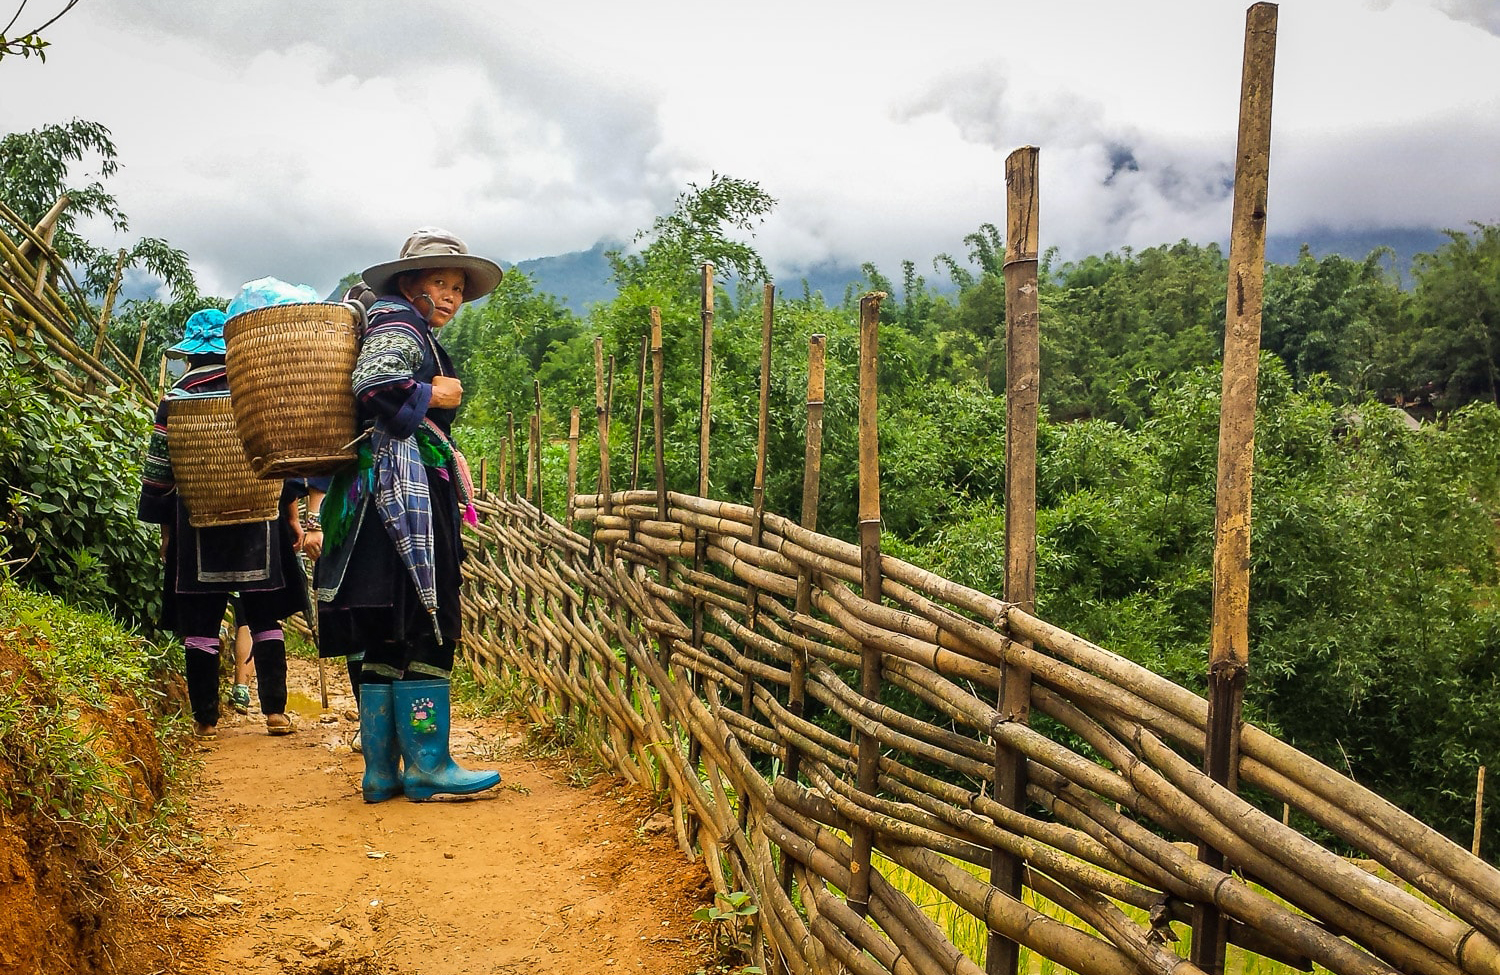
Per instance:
x=257, y=557
x=377, y=602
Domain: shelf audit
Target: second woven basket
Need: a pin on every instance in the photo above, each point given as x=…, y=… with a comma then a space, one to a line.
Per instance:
x=289, y=370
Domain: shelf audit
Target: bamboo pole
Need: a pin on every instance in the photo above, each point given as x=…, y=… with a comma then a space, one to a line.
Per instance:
x=531, y=458
x=601, y=415
x=484, y=478
x=140, y=343
x=572, y=462
x=705, y=420
x=763, y=423
x=658, y=424
x=1022, y=403
x=510, y=424
x=46, y=229
x=869, y=553
x=536, y=442
x=1229, y=662
x=1478, y=811
x=811, y=474
x=640, y=413
x=109, y=303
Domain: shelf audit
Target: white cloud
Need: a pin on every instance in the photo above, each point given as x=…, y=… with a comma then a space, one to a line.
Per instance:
x=306, y=141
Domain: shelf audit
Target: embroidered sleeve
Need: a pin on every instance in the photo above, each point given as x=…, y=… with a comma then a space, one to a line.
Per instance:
x=158, y=485
x=385, y=380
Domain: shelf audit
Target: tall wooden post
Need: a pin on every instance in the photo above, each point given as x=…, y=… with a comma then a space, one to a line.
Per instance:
x=536, y=444
x=1478, y=811
x=513, y=451
x=484, y=478
x=572, y=462
x=812, y=469
x=1022, y=403
x=658, y=426
x=109, y=302
x=705, y=419
x=601, y=414
x=869, y=561
x=531, y=458
x=758, y=491
x=1229, y=661
x=640, y=415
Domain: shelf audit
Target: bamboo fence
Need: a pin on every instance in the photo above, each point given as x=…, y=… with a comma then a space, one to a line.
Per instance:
x=45, y=314
x=602, y=628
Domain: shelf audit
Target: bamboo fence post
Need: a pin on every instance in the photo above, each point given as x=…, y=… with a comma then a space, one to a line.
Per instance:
x=1478, y=810
x=484, y=478
x=1022, y=400
x=510, y=424
x=705, y=417
x=1229, y=662
x=531, y=458
x=601, y=415
x=140, y=343
x=640, y=413
x=109, y=304
x=812, y=469
x=663, y=569
x=572, y=462
x=758, y=491
x=536, y=441
x=870, y=578
x=46, y=228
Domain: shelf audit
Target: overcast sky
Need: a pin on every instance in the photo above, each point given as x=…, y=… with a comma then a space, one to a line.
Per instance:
x=307, y=139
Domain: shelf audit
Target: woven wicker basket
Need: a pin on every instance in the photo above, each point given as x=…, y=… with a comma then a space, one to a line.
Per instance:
x=289, y=370
x=208, y=461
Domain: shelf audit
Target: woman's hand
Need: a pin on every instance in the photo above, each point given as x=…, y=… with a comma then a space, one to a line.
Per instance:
x=447, y=393
x=312, y=543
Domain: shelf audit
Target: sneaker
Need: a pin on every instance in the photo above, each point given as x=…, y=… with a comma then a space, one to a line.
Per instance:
x=239, y=698
x=205, y=732
x=278, y=724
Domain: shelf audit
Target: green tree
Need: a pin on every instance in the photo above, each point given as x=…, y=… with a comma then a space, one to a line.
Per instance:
x=1332, y=317
x=36, y=170
x=1454, y=341
x=698, y=230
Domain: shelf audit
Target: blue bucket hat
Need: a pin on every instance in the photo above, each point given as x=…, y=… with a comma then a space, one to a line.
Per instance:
x=203, y=334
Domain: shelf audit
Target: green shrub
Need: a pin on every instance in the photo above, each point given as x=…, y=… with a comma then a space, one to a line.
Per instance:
x=70, y=476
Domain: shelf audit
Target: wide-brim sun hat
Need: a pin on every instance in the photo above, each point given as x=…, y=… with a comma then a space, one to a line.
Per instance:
x=430, y=247
x=202, y=334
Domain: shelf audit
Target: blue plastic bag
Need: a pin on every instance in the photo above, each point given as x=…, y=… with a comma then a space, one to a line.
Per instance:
x=269, y=291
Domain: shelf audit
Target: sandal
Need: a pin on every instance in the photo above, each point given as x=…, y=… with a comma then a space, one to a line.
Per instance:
x=278, y=724
x=239, y=698
x=205, y=732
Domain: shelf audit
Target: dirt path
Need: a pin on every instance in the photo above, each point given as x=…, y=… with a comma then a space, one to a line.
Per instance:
x=543, y=874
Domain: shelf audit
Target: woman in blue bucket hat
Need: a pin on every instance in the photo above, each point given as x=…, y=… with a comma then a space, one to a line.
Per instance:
x=388, y=582
x=204, y=566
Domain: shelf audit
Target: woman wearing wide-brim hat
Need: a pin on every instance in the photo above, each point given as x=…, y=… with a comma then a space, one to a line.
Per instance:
x=388, y=582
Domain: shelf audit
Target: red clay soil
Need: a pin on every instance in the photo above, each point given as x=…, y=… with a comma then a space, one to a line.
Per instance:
x=542, y=874
x=296, y=874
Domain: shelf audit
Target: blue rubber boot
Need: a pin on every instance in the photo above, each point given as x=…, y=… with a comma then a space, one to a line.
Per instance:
x=423, y=724
x=382, y=751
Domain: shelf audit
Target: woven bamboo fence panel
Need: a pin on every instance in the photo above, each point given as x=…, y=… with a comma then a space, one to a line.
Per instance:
x=746, y=721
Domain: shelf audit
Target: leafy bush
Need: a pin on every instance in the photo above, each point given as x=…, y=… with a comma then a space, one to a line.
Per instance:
x=71, y=479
